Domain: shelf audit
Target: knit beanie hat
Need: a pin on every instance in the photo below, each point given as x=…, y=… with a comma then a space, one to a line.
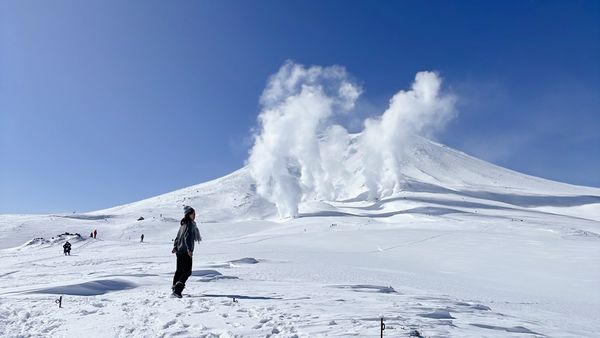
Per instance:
x=187, y=210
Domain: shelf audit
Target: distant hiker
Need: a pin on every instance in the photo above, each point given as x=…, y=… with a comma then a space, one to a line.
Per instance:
x=183, y=246
x=95, y=233
x=92, y=234
x=67, y=248
x=142, y=239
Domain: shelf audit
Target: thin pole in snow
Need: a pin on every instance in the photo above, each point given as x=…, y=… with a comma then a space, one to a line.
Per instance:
x=382, y=327
x=59, y=302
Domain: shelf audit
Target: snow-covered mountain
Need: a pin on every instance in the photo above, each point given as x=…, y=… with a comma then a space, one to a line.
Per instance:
x=465, y=248
x=436, y=178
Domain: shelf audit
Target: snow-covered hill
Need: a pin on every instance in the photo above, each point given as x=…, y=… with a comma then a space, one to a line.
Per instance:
x=464, y=248
x=427, y=168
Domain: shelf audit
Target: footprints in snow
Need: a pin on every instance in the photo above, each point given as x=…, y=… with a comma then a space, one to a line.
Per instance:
x=151, y=313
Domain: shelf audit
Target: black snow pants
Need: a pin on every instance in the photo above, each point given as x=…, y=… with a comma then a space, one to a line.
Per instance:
x=184, y=268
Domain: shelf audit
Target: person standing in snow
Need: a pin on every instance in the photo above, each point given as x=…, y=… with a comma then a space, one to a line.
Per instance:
x=183, y=247
x=95, y=233
x=67, y=248
x=142, y=239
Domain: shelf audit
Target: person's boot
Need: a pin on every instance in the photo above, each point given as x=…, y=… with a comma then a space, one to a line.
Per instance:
x=177, y=289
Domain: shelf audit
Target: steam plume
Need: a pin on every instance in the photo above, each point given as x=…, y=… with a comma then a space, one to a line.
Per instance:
x=421, y=111
x=296, y=109
x=299, y=153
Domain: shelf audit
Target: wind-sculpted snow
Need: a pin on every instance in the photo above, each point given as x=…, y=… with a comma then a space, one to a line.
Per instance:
x=438, y=314
x=367, y=288
x=210, y=275
x=516, y=329
x=93, y=288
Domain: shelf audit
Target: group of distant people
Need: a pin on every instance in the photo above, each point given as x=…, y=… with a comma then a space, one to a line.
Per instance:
x=67, y=245
x=93, y=234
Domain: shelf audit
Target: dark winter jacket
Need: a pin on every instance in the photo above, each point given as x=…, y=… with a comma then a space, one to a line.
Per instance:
x=187, y=235
x=67, y=246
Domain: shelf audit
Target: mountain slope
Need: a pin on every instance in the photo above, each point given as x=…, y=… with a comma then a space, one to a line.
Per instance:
x=428, y=169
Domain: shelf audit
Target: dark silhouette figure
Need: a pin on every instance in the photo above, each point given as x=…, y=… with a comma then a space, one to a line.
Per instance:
x=95, y=233
x=142, y=239
x=59, y=302
x=67, y=248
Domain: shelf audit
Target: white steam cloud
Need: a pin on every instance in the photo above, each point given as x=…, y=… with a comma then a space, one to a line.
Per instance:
x=286, y=160
x=299, y=151
x=422, y=111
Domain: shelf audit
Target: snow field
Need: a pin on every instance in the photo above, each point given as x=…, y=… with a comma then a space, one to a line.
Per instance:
x=307, y=278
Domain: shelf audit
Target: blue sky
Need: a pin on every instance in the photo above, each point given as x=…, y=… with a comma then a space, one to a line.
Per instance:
x=108, y=102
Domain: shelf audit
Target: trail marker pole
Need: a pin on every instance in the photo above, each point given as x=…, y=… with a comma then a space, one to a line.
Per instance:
x=382, y=327
x=59, y=302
